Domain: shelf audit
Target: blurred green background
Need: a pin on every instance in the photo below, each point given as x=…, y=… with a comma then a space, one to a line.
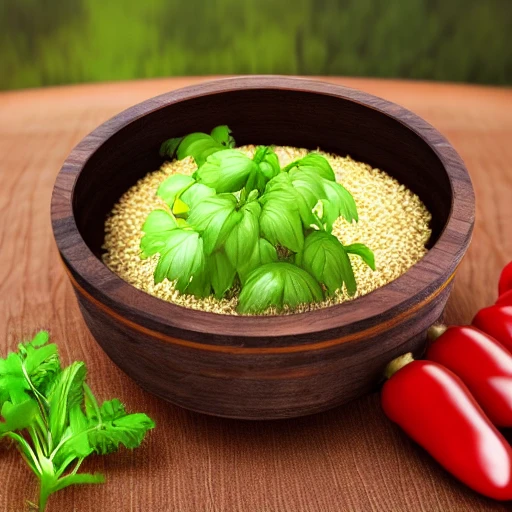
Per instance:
x=67, y=41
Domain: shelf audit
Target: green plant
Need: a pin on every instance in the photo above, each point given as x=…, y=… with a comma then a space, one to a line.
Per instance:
x=55, y=420
x=247, y=221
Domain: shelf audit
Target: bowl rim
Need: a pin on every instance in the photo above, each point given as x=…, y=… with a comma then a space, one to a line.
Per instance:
x=391, y=303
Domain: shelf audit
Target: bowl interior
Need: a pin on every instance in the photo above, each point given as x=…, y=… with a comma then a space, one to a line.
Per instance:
x=261, y=116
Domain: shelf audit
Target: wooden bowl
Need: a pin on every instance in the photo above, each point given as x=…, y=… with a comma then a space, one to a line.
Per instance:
x=272, y=366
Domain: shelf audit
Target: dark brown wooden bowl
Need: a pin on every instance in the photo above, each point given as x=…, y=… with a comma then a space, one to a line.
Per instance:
x=272, y=366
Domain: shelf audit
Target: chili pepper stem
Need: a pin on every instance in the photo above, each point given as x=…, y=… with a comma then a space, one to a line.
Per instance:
x=398, y=363
x=435, y=331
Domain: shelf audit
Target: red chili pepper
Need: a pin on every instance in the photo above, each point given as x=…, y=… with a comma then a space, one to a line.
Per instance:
x=505, y=299
x=483, y=364
x=437, y=410
x=497, y=322
x=505, y=282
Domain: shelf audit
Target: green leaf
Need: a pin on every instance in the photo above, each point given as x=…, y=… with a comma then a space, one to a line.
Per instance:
x=115, y=428
x=41, y=338
x=280, y=220
x=76, y=444
x=222, y=135
x=41, y=360
x=199, y=146
x=13, y=383
x=214, y=218
x=309, y=189
x=316, y=163
x=221, y=272
x=339, y=202
x=244, y=235
x=18, y=416
x=169, y=147
x=200, y=285
x=157, y=228
x=179, y=208
x=180, y=258
x=195, y=194
x=364, y=252
x=226, y=171
x=170, y=188
x=66, y=392
x=263, y=252
x=267, y=161
x=278, y=284
x=325, y=258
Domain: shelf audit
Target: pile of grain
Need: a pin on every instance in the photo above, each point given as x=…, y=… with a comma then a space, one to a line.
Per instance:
x=393, y=222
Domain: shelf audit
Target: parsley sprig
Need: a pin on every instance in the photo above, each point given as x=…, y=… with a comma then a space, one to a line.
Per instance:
x=241, y=221
x=55, y=420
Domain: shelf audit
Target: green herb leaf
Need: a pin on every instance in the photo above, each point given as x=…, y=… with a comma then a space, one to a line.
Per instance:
x=214, y=218
x=13, y=384
x=18, y=416
x=34, y=361
x=199, y=146
x=226, y=171
x=157, y=228
x=169, y=147
x=309, y=190
x=244, y=235
x=221, y=272
x=263, y=252
x=180, y=258
x=40, y=339
x=364, y=252
x=315, y=163
x=325, y=258
x=338, y=202
x=115, y=427
x=67, y=391
x=280, y=220
x=42, y=365
x=222, y=135
x=41, y=360
x=267, y=161
x=278, y=284
x=75, y=442
x=195, y=194
x=173, y=186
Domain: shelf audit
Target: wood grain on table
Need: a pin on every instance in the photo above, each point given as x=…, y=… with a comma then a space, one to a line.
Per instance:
x=348, y=459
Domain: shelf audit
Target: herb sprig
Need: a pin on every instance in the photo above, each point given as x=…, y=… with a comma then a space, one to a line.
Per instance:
x=248, y=222
x=55, y=420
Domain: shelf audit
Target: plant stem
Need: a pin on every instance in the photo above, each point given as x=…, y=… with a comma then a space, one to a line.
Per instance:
x=42, y=409
x=43, y=498
x=77, y=467
x=26, y=450
x=397, y=364
x=435, y=331
x=318, y=222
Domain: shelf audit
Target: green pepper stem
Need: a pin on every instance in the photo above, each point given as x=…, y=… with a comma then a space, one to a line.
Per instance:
x=397, y=364
x=435, y=331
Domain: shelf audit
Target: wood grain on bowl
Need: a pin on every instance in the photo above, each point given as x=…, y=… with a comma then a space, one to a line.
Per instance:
x=272, y=366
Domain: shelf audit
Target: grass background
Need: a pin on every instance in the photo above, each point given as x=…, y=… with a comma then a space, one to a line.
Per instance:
x=67, y=41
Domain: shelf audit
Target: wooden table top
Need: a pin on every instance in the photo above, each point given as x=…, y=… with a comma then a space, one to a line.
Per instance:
x=347, y=459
